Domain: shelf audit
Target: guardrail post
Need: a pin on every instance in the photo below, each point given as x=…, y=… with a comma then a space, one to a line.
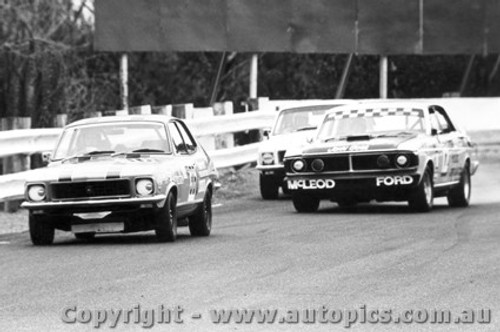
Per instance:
x=141, y=110
x=17, y=163
x=183, y=111
x=93, y=114
x=163, y=110
x=224, y=141
x=60, y=120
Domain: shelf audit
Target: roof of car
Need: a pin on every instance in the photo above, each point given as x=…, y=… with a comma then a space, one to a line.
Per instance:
x=363, y=105
x=125, y=118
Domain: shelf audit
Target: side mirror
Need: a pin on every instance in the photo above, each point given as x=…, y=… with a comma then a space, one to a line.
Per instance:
x=266, y=132
x=46, y=156
x=434, y=132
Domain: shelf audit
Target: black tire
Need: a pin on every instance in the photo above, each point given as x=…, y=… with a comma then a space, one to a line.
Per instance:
x=284, y=188
x=423, y=197
x=166, y=220
x=268, y=187
x=41, y=230
x=459, y=196
x=85, y=236
x=200, y=224
x=305, y=203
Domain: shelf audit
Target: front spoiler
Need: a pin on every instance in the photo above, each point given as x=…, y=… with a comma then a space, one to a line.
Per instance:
x=94, y=203
x=362, y=186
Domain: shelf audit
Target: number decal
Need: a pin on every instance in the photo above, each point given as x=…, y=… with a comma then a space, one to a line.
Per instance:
x=193, y=182
x=446, y=161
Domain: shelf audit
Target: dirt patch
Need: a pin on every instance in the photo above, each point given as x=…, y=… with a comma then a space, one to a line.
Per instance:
x=237, y=184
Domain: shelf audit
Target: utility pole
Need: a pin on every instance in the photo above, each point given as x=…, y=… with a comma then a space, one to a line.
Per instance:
x=254, y=66
x=383, y=76
x=124, y=81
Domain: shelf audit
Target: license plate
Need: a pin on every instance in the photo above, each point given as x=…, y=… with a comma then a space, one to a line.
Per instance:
x=98, y=228
x=92, y=215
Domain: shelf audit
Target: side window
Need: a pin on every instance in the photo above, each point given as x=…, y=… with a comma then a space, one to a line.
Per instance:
x=179, y=145
x=445, y=125
x=434, y=122
x=186, y=136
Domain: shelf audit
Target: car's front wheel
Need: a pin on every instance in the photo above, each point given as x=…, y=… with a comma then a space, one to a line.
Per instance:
x=166, y=220
x=200, y=224
x=423, y=197
x=41, y=230
x=459, y=196
x=305, y=203
x=269, y=189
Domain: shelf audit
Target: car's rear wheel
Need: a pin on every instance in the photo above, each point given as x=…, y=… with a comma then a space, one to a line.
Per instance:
x=423, y=197
x=166, y=220
x=305, y=203
x=41, y=230
x=85, y=236
x=459, y=196
x=268, y=187
x=200, y=224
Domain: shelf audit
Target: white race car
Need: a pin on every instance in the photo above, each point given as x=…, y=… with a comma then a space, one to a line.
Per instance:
x=292, y=127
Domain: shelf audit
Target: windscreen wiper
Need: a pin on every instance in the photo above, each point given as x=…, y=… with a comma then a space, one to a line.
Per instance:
x=149, y=150
x=306, y=128
x=88, y=154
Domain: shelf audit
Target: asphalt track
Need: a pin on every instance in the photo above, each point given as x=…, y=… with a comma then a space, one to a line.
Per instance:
x=262, y=254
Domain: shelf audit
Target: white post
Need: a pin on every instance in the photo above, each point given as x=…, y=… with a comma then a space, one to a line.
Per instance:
x=383, y=77
x=254, y=66
x=124, y=81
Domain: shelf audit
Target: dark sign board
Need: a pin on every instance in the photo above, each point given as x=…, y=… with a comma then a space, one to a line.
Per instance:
x=302, y=26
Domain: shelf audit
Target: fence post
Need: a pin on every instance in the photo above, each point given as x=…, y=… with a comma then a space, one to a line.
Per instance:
x=17, y=163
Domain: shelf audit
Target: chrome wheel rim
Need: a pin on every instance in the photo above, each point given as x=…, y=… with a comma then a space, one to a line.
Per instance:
x=207, y=207
x=171, y=214
x=466, y=186
x=428, y=190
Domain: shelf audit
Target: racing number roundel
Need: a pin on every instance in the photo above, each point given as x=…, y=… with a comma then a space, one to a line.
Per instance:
x=192, y=176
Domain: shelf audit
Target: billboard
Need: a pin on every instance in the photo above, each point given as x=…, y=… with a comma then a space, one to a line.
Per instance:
x=300, y=26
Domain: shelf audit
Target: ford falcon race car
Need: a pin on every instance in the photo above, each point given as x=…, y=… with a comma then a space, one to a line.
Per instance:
x=122, y=174
x=385, y=152
x=292, y=127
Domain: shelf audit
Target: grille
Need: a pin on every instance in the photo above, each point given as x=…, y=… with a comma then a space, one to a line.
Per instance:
x=332, y=164
x=91, y=189
x=369, y=162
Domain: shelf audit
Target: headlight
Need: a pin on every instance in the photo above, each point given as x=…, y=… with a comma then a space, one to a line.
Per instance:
x=36, y=192
x=383, y=161
x=402, y=160
x=144, y=187
x=267, y=158
x=298, y=165
x=317, y=165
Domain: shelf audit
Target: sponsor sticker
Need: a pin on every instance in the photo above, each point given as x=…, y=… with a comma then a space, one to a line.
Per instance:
x=397, y=180
x=349, y=147
x=311, y=184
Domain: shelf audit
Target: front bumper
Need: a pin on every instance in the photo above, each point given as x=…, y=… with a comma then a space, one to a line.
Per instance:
x=360, y=187
x=94, y=203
